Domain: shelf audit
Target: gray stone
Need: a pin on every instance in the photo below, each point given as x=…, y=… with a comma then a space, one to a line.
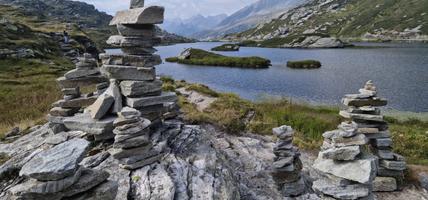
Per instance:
x=283, y=162
x=382, y=142
x=141, y=88
x=366, y=117
x=95, y=160
x=294, y=189
x=359, y=96
x=84, y=122
x=146, y=15
x=381, y=134
x=423, y=180
x=101, y=106
x=56, y=163
x=153, y=182
x=133, y=142
x=393, y=165
x=338, y=134
x=341, y=153
x=129, y=72
x=114, y=91
x=14, y=132
x=283, y=132
x=56, y=139
x=88, y=180
x=135, y=130
x=33, y=188
x=76, y=103
x=389, y=173
x=122, y=41
x=139, y=50
x=129, y=113
x=118, y=175
x=361, y=170
x=142, y=163
x=384, y=154
x=120, y=121
x=80, y=82
x=384, y=184
x=71, y=91
x=365, y=102
x=125, y=153
x=62, y=112
x=145, y=30
x=359, y=139
x=79, y=73
x=105, y=191
x=329, y=42
x=150, y=101
x=330, y=188
x=137, y=4
x=131, y=60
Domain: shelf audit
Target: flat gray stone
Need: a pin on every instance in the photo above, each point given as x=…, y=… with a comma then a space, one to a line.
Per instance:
x=141, y=88
x=79, y=73
x=129, y=72
x=283, y=162
x=393, y=165
x=145, y=30
x=122, y=41
x=364, y=102
x=76, y=103
x=138, y=50
x=327, y=187
x=384, y=184
x=33, y=188
x=382, y=142
x=89, y=179
x=134, y=142
x=294, y=188
x=146, y=15
x=366, y=117
x=80, y=82
x=84, y=122
x=131, y=60
x=341, y=153
x=359, y=139
x=361, y=170
x=62, y=112
x=129, y=113
x=101, y=106
x=338, y=134
x=125, y=153
x=56, y=163
x=95, y=160
x=105, y=191
x=283, y=132
x=150, y=101
x=142, y=163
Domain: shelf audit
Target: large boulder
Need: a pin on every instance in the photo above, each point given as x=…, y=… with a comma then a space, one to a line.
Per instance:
x=58, y=162
x=146, y=15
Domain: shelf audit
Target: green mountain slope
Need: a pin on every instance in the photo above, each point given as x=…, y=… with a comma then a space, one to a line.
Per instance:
x=347, y=19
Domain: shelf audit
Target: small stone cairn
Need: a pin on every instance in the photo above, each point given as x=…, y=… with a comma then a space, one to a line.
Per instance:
x=135, y=93
x=55, y=174
x=287, y=166
x=363, y=111
x=85, y=74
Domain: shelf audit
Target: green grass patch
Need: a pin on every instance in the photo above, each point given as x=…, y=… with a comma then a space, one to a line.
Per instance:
x=203, y=90
x=201, y=57
x=304, y=64
x=226, y=47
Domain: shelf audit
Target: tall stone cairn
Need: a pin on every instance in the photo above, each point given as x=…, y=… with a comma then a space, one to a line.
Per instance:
x=135, y=93
x=363, y=110
x=287, y=166
x=347, y=171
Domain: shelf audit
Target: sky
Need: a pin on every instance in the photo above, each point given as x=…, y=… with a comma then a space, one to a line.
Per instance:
x=177, y=8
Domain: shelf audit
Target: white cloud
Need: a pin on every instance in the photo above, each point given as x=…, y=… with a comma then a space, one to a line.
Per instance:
x=177, y=8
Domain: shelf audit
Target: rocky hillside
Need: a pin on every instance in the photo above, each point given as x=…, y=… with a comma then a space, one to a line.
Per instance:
x=195, y=24
x=347, y=19
x=248, y=17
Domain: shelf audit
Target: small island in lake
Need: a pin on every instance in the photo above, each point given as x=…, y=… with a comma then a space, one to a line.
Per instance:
x=304, y=64
x=201, y=57
x=226, y=47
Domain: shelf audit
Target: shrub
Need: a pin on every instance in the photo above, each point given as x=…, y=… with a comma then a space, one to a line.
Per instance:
x=304, y=64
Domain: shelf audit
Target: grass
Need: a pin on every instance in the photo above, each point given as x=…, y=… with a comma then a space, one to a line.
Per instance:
x=304, y=64
x=203, y=90
x=226, y=47
x=201, y=57
x=27, y=90
x=230, y=113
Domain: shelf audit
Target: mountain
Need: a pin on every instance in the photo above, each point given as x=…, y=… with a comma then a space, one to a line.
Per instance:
x=249, y=16
x=379, y=20
x=195, y=24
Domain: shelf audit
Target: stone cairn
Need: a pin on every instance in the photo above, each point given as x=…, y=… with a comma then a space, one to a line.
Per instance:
x=287, y=166
x=85, y=74
x=133, y=82
x=363, y=111
x=55, y=174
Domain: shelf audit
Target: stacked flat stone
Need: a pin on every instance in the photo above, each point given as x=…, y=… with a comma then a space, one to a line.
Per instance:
x=85, y=74
x=135, y=69
x=287, y=166
x=346, y=172
x=132, y=145
x=363, y=110
x=55, y=174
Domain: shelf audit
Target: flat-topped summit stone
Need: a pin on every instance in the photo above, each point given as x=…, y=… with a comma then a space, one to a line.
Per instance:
x=131, y=60
x=120, y=72
x=56, y=163
x=145, y=15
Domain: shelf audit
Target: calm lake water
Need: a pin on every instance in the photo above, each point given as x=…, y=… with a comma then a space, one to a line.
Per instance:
x=400, y=72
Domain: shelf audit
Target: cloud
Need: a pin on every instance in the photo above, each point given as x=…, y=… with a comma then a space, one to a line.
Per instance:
x=177, y=8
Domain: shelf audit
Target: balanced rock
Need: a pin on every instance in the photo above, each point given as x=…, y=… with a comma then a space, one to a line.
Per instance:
x=145, y=15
